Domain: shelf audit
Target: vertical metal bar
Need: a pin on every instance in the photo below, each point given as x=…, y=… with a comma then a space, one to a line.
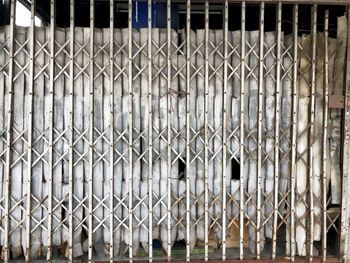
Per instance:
x=6, y=248
x=169, y=127
x=224, y=134
x=294, y=129
x=130, y=141
x=150, y=136
x=71, y=134
x=91, y=130
x=346, y=152
x=260, y=102
x=277, y=126
x=241, y=136
x=188, y=134
x=206, y=161
x=324, y=138
x=312, y=119
x=111, y=130
x=51, y=124
x=30, y=130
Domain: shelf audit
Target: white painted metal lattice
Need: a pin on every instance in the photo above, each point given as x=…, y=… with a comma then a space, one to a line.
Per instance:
x=114, y=138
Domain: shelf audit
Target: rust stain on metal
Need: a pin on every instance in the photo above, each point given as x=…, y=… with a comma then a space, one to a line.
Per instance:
x=336, y=102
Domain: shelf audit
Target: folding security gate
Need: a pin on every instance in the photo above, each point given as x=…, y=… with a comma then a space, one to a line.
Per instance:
x=119, y=141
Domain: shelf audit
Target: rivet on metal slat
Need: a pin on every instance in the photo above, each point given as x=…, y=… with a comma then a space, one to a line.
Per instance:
x=311, y=127
x=130, y=130
x=188, y=83
x=51, y=131
x=169, y=127
x=71, y=132
x=206, y=139
x=6, y=248
x=150, y=136
x=324, y=139
x=224, y=134
x=259, y=150
x=277, y=127
x=294, y=130
x=30, y=132
x=111, y=131
x=91, y=130
x=242, y=133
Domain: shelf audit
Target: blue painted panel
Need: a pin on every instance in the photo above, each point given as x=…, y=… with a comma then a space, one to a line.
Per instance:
x=159, y=12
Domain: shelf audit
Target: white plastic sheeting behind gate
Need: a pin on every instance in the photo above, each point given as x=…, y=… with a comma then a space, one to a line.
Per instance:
x=113, y=138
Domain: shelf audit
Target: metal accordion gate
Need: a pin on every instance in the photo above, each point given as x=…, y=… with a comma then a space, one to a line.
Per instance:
x=164, y=144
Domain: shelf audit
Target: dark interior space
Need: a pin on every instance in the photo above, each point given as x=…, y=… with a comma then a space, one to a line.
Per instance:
x=82, y=14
